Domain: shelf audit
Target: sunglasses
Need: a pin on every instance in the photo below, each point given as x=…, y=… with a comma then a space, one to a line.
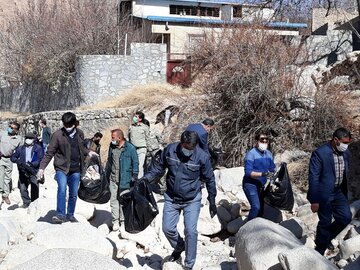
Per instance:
x=263, y=139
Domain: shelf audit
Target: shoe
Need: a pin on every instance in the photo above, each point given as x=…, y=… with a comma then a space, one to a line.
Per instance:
x=6, y=200
x=72, y=219
x=115, y=226
x=58, y=219
x=24, y=205
x=186, y=268
x=176, y=255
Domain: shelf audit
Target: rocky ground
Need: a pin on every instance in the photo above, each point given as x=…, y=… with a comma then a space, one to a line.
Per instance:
x=28, y=240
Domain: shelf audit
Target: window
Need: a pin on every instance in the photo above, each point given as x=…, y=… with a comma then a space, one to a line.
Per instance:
x=237, y=12
x=194, y=11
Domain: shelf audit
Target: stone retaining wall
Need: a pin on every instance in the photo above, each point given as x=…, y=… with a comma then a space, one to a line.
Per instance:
x=105, y=76
x=91, y=121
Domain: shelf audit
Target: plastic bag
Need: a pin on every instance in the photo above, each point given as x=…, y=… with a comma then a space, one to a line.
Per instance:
x=139, y=207
x=279, y=192
x=94, y=187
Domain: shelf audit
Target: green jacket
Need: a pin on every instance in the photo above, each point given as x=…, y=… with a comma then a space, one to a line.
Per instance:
x=129, y=165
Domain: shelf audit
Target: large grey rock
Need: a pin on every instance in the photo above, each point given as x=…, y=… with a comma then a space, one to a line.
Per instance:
x=22, y=253
x=85, y=209
x=12, y=227
x=304, y=258
x=70, y=258
x=349, y=247
x=4, y=238
x=206, y=224
x=294, y=225
x=259, y=242
x=74, y=235
x=355, y=208
x=227, y=179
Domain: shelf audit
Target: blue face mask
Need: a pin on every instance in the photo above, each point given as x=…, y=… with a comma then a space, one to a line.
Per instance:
x=187, y=152
x=10, y=130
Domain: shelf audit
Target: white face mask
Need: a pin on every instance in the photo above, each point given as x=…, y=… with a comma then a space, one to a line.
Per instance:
x=29, y=141
x=114, y=142
x=342, y=147
x=262, y=146
x=69, y=129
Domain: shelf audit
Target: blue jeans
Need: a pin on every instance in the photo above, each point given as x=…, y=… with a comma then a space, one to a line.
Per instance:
x=171, y=216
x=255, y=194
x=63, y=180
x=45, y=146
x=338, y=207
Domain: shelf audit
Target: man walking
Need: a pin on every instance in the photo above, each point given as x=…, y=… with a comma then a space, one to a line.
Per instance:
x=93, y=144
x=45, y=133
x=67, y=148
x=122, y=167
x=139, y=134
x=187, y=164
x=203, y=129
x=9, y=141
x=28, y=157
x=328, y=172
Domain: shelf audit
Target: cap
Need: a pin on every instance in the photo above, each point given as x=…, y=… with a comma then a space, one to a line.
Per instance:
x=30, y=135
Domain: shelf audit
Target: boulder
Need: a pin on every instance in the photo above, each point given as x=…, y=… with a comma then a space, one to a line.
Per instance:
x=259, y=242
x=294, y=225
x=234, y=225
x=4, y=238
x=74, y=235
x=304, y=258
x=70, y=258
x=12, y=228
x=147, y=238
x=22, y=253
x=206, y=224
x=355, y=208
x=87, y=210
x=227, y=179
x=349, y=247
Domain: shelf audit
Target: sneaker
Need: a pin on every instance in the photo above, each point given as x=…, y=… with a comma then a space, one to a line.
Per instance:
x=186, y=268
x=176, y=255
x=6, y=200
x=58, y=219
x=115, y=226
x=25, y=205
x=72, y=219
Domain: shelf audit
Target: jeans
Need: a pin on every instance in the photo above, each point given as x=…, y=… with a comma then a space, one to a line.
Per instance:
x=171, y=216
x=141, y=152
x=23, y=185
x=63, y=180
x=338, y=207
x=45, y=145
x=116, y=208
x=255, y=194
x=6, y=167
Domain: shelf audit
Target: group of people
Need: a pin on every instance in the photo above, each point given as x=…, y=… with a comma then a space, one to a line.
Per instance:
x=188, y=169
x=328, y=176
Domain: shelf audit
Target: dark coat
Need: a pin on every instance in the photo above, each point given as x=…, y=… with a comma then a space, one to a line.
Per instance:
x=129, y=165
x=322, y=176
x=183, y=177
x=60, y=149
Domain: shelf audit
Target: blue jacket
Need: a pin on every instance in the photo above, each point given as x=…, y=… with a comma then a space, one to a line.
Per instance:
x=203, y=135
x=184, y=174
x=322, y=176
x=257, y=161
x=37, y=154
x=129, y=165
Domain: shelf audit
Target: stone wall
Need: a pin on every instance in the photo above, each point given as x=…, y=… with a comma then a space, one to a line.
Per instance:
x=91, y=121
x=106, y=76
x=354, y=171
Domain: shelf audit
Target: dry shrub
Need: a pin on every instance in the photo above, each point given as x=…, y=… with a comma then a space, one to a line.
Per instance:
x=252, y=84
x=144, y=96
x=298, y=172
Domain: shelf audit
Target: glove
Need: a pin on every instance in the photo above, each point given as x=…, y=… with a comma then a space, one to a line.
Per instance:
x=267, y=175
x=40, y=174
x=213, y=210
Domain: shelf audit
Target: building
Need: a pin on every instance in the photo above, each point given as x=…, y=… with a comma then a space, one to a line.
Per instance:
x=182, y=23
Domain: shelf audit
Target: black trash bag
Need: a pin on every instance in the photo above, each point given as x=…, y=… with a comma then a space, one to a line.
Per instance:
x=279, y=192
x=94, y=187
x=139, y=207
